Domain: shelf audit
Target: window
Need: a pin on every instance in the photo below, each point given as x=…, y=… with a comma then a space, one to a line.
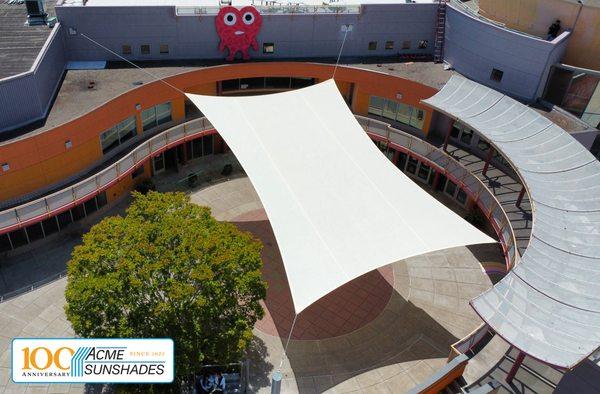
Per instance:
x=145, y=49
x=390, y=109
x=405, y=44
x=402, y=161
x=163, y=113
x=376, y=105
x=461, y=196
x=126, y=49
x=164, y=48
x=483, y=145
x=424, y=171
x=268, y=47
x=277, y=82
x=252, y=83
x=399, y=112
x=156, y=116
x=230, y=84
x=301, y=82
x=137, y=172
x=118, y=134
x=404, y=112
x=496, y=75
x=412, y=165
x=207, y=145
x=423, y=44
x=159, y=163
x=417, y=118
x=372, y=45
x=389, y=45
x=466, y=136
x=450, y=188
x=455, y=131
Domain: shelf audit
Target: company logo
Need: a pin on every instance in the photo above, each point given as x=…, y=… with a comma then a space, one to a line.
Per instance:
x=238, y=30
x=92, y=360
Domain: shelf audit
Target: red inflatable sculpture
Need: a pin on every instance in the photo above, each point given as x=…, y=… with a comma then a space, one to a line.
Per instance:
x=238, y=30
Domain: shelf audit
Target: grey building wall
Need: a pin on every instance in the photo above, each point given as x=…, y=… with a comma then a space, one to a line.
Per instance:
x=26, y=97
x=474, y=47
x=294, y=36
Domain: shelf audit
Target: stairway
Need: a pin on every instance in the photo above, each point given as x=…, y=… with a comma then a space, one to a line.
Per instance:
x=440, y=30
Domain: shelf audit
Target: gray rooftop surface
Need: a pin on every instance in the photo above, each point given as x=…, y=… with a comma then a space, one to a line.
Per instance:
x=20, y=43
x=74, y=99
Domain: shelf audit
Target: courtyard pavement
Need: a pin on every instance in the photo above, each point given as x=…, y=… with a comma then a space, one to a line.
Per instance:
x=386, y=332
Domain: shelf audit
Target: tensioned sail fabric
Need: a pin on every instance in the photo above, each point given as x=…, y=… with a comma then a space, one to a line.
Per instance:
x=338, y=207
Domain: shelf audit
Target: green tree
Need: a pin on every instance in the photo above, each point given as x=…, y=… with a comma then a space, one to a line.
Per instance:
x=168, y=269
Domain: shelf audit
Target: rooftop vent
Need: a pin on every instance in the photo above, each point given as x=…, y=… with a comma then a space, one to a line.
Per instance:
x=36, y=15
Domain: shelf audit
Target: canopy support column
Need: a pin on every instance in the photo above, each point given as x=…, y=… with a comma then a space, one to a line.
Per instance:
x=520, y=198
x=447, y=140
x=515, y=367
x=487, y=161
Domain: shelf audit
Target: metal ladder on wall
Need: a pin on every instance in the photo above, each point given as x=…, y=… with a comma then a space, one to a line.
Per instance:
x=440, y=30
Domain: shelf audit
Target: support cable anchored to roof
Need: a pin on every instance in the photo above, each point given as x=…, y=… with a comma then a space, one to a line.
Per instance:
x=132, y=63
x=346, y=29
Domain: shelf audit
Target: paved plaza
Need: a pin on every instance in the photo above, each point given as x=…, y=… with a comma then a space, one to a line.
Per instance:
x=383, y=332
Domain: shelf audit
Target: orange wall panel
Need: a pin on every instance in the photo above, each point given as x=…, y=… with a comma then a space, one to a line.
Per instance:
x=40, y=160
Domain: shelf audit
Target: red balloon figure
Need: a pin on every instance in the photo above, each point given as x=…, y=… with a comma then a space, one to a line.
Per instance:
x=238, y=30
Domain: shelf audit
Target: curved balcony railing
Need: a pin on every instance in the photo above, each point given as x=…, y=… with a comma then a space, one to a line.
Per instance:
x=55, y=203
x=445, y=164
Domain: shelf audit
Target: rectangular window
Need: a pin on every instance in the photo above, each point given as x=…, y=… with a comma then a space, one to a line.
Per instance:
x=109, y=139
x=252, y=83
x=197, y=148
x=466, y=136
x=461, y=196
x=450, y=188
x=163, y=113
x=389, y=45
x=207, y=145
x=101, y=200
x=390, y=109
x=268, y=47
x=376, y=105
x=483, y=145
x=164, y=48
x=137, y=172
x=126, y=49
x=496, y=75
x=402, y=161
x=372, y=45
x=277, y=82
x=145, y=49
x=404, y=113
x=405, y=44
x=159, y=162
x=302, y=82
x=230, y=84
x=412, y=165
x=118, y=134
x=424, y=171
x=455, y=131
x=148, y=118
x=127, y=129
x=417, y=118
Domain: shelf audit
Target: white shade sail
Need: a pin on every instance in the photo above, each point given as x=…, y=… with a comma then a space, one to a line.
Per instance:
x=338, y=207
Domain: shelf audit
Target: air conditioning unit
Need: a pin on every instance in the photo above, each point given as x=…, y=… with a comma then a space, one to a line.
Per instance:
x=36, y=15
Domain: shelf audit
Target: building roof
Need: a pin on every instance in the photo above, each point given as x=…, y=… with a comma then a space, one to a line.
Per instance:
x=338, y=207
x=235, y=3
x=20, y=44
x=549, y=304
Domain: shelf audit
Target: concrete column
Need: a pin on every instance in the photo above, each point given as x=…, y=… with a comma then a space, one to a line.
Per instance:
x=521, y=195
x=515, y=367
x=436, y=180
x=396, y=157
x=448, y=135
x=487, y=160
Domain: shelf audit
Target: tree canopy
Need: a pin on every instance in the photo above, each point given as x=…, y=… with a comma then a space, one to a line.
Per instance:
x=168, y=269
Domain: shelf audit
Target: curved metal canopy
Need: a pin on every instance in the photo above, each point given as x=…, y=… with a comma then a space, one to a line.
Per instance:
x=549, y=304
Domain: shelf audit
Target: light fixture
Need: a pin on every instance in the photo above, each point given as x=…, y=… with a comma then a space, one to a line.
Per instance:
x=68, y=144
x=399, y=96
x=138, y=107
x=5, y=167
